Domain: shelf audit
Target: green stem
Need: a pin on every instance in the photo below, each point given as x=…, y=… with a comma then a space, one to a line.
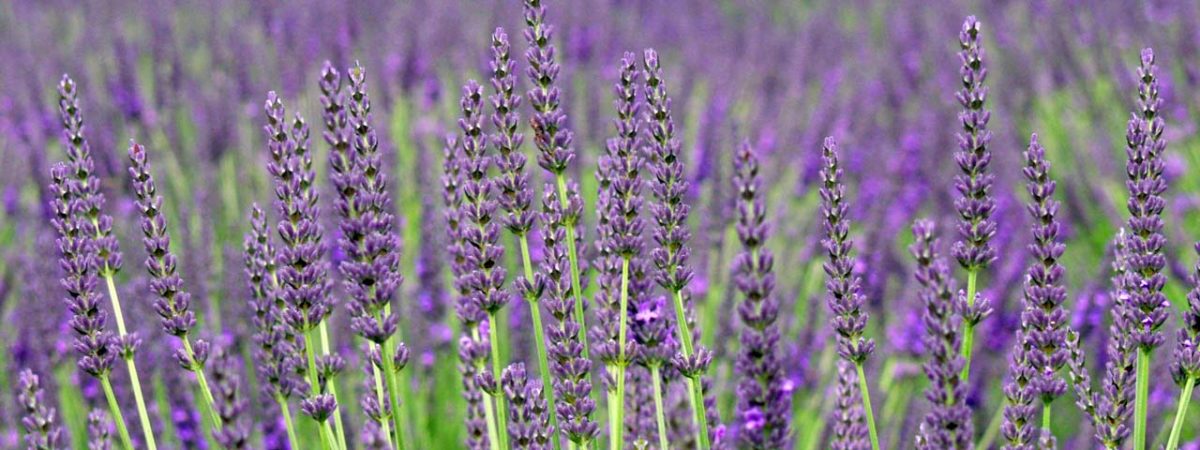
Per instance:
x=658, y=407
x=501, y=411
x=1185, y=398
x=993, y=429
x=866, y=399
x=618, y=426
x=539, y=340
x=382, y=396
x=968, y=342
x=573, y=257
x=287, y=420
x=695, y=384
x=143, y=417
x=1046, y=416
x=1141, y=399
x=115, y=411
x=337, y=415
x=488, y=412
x=314, y=381
x=202, y=380
x=394, y=387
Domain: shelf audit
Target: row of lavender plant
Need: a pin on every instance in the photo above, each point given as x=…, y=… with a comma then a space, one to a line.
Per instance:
x=646, y=353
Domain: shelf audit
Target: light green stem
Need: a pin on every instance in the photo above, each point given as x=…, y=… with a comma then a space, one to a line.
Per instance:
x=314, y=382
x=488, y=412
x=382, y=396
x=394, y=390
x=287, y=420
x=1046, y=416
x=115, y=410
x=144, y=418
x=337, y=415
x=539, y=340
x=1185, y=398
x=658, y=407
x=1141, y=399
x=573, y=257
x=202, y=380
x=866, y=399
x=501, y=407
x=968, y=342
x=696, y=385
x=618, y=425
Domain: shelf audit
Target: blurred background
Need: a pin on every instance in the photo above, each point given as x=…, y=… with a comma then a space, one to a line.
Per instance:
x=188, y=79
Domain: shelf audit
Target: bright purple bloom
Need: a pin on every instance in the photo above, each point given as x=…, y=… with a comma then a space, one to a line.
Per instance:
x=763, y=407
x=529, y=419
x=845, y=288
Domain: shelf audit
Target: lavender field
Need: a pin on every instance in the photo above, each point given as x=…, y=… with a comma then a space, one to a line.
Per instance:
x=601, y=224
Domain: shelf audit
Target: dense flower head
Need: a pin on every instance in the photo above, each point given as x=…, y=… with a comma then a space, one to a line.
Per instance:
x=529, y=417
x=274, y=349
x=1019, y=393
x=1044, y=317
x=80, y=265
x=98, y=428
x=552, y=138
x=515, y=196
x=975, y=203
x=763, y=406
x=1113, y=405
x=668, y=209
x=41, y=430
x=470, y=353
x=83, y=168
x=948, y=423
x=1144, y=245
x=302, y=269
x=844, y=287
x=480, y=232
x=572, y=380
x=172, y=300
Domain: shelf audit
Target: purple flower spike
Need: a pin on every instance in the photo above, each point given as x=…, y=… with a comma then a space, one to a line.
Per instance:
x=275, y=351
x=1187, y=356
x=99, y=428
x=515, y=197
x=763, y=406
x=80, y=265
x=849, y=429
x=41, y=430
x=1144, y=244
x=529, y=424
x=844, y=287
x=234, y=432
x=948, y=423
x=480, y=233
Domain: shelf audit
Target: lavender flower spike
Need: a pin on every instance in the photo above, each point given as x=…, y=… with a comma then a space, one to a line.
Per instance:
x=303, y=281
x=171, y=302
x=553, y=140
x=670, y=256
x=948, y=423
x=1145, y=280
x=91, y=229
x=760, y=387
x=1186, y=367
x=41, y=431
x=974, y=204
x=845, y=297
x=530, y=425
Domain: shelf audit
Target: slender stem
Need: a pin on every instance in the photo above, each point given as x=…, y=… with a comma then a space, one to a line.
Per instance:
x=695, y=385
x=488, y=412
x=382, y=396
x=618, y=426
x=115, y=410
x=501, y=408
x=313, y=380
x=866, y=399
x=143, y=417
x=202, y=380
x=658, y=407
x=337, y=415
x=287, y=420
x=573, y=257
x=539, y=340
x=1185, y=398
x=1141, y=399
x=968, y=342
x=394, y=387
x=1046, y=416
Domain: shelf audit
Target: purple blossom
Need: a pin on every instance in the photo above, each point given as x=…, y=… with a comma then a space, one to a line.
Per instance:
x=529, y=424
x=845, y=299
x=38, y=418
x=763, y=407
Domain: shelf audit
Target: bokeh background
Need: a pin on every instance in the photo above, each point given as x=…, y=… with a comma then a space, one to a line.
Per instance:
x=188, y=79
